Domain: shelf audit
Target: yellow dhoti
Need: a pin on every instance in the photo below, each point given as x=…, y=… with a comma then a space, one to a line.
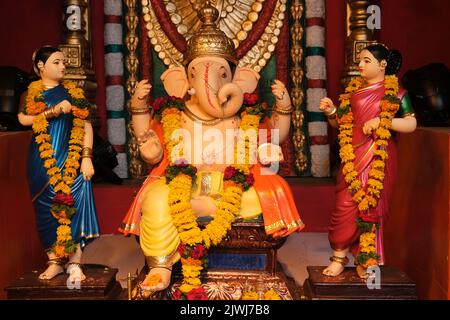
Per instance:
x=158, y=235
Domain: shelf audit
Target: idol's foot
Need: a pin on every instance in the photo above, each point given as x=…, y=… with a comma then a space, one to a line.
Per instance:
x=156, y=280
x=55, y=267
x=336, y=266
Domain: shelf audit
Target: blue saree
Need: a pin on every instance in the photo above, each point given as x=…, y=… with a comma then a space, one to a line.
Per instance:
x=84, y=224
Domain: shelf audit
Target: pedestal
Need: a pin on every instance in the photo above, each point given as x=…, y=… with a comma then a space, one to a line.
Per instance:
x=230, y=284
x=100, y=284
x=393, y=285
x=246, y=258
x=246, y=247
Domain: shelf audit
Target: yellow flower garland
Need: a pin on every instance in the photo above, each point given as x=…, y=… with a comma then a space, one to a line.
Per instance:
x=180, y=192
x=270, y=294
x=366, y=199
x=62, y=183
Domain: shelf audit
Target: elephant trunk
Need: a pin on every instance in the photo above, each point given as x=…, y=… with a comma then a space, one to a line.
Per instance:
x=230, y=98
x=222, y=104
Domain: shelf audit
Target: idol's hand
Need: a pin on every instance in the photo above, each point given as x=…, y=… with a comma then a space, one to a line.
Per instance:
x=87, y=168
x=150, y=146
x=269, y=153
x=281, y=94
x=140, y=94
x=65, y=106
x=327, y=106
x=371, y=125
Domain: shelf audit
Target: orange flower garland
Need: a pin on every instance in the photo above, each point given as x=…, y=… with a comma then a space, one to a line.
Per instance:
x=62, y=208
x=366, y=199
x=180, y=176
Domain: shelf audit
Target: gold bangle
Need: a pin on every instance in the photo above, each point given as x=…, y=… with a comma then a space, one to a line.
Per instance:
x=86, y=152
x=283, y=111
x=141, y=143
x=137, y=111
x=332, y=113
x=49, y=113
x=332, y=116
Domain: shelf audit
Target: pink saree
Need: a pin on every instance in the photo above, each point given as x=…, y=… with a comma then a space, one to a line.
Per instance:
x=343, y=232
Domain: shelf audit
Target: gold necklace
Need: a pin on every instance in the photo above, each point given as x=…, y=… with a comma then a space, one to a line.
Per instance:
x=49, y=87
x=205, y=122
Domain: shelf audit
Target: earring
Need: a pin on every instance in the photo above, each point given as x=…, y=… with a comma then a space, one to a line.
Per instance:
x=191, y=91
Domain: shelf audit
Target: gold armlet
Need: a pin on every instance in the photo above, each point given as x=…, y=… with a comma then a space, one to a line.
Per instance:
x=409, y=114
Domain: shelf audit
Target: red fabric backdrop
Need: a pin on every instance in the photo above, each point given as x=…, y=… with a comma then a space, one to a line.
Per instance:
x=28, y=24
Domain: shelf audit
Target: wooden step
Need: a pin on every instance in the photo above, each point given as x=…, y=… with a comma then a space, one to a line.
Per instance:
x=100, y=284
x=393, y=284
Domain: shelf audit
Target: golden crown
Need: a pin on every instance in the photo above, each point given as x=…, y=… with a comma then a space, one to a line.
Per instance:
x=209, y=40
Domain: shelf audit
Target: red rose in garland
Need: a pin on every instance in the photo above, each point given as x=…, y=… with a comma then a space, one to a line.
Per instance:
x=65, y=199
x=250, y=98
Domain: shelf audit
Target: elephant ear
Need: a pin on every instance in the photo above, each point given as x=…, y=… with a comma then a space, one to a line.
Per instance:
x=175, y=82
x=246, y=78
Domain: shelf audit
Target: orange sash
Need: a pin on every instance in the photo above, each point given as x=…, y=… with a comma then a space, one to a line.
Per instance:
x=280, y=214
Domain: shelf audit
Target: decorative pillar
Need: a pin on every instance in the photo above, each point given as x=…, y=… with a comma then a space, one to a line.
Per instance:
x=297, y=95
x=115, y=91
x=358, y=37
x=76, y=46
x=316, y=76
x=136, y=165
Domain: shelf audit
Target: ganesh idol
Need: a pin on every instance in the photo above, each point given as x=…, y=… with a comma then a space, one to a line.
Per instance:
x=185, y=184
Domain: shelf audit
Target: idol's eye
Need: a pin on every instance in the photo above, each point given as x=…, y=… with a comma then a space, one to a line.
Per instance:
x=223, y=73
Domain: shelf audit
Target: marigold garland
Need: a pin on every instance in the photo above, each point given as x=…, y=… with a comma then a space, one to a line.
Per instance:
x=367, y=199
x=62, y=180
x=180, y=176
x=270, y=294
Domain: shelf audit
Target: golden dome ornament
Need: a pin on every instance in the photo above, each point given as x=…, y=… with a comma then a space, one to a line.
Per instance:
x=209, y=40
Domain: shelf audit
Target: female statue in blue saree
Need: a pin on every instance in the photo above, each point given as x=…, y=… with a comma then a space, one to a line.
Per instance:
x=60, y=165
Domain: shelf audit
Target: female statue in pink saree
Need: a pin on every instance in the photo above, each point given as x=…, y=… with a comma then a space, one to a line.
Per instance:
x=371, y=108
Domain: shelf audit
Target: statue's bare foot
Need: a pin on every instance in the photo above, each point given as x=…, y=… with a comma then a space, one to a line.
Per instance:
x=334, y=269
x=336, y=266
x=52, y=271
x=75, y=272
x=156, y=280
